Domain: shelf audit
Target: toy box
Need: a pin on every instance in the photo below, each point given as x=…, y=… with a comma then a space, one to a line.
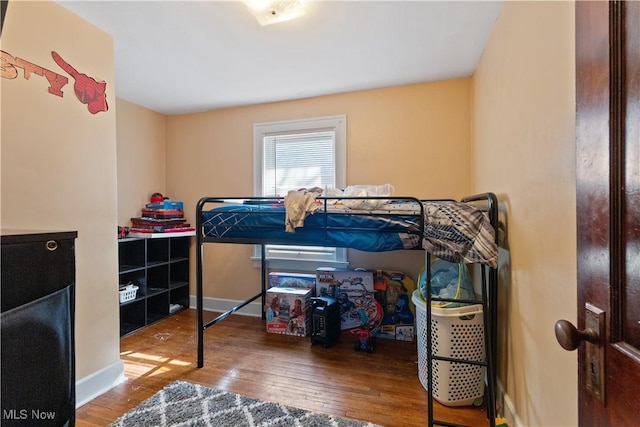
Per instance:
x=288, y=311
x=293, y=280
x=354, y=291
x=393, y=291
x=328, y=279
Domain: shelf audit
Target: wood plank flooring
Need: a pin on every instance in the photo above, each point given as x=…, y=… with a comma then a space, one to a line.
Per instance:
x=382, y=387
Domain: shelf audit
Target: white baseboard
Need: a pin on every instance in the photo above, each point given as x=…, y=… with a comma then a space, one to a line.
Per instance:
x=220, y=305
x=506, y=407
x=92, y=386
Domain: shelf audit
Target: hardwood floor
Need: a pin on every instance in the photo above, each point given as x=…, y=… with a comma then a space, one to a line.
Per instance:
x=240, y=357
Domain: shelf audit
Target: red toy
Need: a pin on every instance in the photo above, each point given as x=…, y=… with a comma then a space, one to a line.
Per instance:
x=123, y=232
x=369, y=328
x=156, y=198
x=366, y=341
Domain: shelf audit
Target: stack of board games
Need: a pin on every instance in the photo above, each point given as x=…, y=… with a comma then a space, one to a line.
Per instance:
x=161, y=217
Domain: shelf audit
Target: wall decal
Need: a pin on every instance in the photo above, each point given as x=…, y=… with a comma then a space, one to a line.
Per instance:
x=9, y=70
x=88, y=90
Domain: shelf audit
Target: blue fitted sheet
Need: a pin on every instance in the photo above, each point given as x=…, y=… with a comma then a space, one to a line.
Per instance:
x=263, y=223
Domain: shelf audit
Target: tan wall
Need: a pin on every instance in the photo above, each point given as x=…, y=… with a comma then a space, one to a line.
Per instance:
x=141, y=158
x=524, y=103
x=415, y=137
x=58, y=156
x=59, y=163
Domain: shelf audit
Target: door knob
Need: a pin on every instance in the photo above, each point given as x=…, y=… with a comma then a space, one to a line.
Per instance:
x=569, y=337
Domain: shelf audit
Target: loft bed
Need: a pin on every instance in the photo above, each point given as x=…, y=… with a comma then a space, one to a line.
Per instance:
x=462, y=231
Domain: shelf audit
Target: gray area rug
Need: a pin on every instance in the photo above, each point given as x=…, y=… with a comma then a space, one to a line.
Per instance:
x=185, y=404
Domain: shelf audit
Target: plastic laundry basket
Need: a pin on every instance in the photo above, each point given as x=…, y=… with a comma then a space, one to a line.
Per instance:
x=457, y=333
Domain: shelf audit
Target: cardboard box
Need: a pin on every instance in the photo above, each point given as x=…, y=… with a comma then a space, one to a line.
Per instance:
x=288, y=311
x=329, y=279
x=293, y=280
x=397, y=332
x=394, y=293
x=354, y=291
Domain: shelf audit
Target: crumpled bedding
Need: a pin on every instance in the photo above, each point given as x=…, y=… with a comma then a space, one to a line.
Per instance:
x=299, y=204
x=459, y=232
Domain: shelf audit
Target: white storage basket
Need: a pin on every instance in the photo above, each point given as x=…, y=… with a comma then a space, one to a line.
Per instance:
x=456, y=333
x=128, y=293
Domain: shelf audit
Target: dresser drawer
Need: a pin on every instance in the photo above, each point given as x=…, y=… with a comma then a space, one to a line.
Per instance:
x=35, y=269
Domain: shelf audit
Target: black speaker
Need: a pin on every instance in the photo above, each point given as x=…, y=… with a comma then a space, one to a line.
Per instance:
x=326, y=321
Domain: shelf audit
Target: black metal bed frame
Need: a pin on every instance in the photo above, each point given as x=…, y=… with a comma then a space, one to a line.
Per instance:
x=489, y=298
x=489, y=302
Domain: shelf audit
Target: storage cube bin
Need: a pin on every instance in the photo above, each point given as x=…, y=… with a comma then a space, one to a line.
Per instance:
x=128, y=293
x=457, y=333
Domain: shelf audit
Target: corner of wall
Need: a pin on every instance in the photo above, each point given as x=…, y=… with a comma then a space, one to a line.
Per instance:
x=506, y=408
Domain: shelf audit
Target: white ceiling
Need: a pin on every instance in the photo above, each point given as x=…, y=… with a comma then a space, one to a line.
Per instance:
x=185, y=56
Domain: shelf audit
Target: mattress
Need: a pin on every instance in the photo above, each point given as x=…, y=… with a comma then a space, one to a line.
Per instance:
x=372, y=231
x=452, y=231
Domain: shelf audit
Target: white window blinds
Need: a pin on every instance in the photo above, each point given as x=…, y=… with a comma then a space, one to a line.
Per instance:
x=299, y=160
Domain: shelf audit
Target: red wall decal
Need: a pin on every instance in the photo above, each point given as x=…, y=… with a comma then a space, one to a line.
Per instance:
x=9, y=70
x=88, y=90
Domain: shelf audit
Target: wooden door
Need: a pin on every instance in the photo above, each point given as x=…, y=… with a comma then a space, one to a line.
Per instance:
x=608, y=204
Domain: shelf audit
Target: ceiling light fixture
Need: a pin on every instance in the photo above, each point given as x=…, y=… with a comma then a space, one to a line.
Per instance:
x=274, y=11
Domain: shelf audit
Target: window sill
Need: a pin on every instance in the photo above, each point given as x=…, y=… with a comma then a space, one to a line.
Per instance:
x=297, y=265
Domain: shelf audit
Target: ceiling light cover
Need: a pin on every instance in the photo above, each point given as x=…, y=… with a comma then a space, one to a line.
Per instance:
x=273, y=11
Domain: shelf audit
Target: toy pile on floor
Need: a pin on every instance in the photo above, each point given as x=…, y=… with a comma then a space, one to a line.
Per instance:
x=161, y=215
x=363, y=303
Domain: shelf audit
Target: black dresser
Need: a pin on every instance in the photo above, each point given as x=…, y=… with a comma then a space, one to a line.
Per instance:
x=37, y=320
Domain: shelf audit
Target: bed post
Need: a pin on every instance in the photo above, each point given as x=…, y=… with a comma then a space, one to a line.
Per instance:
x=199, y=292
x=492, y=284
x=489, y=301
x=429, y=317
x=263, y=264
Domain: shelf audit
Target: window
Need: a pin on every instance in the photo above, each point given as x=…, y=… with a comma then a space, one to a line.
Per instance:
x=297, y=154
x=298, y=160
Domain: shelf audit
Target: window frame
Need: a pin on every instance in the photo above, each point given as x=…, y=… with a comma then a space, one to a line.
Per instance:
x=336, y=123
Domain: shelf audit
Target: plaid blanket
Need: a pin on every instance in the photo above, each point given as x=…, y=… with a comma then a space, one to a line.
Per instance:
x=459, y=232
